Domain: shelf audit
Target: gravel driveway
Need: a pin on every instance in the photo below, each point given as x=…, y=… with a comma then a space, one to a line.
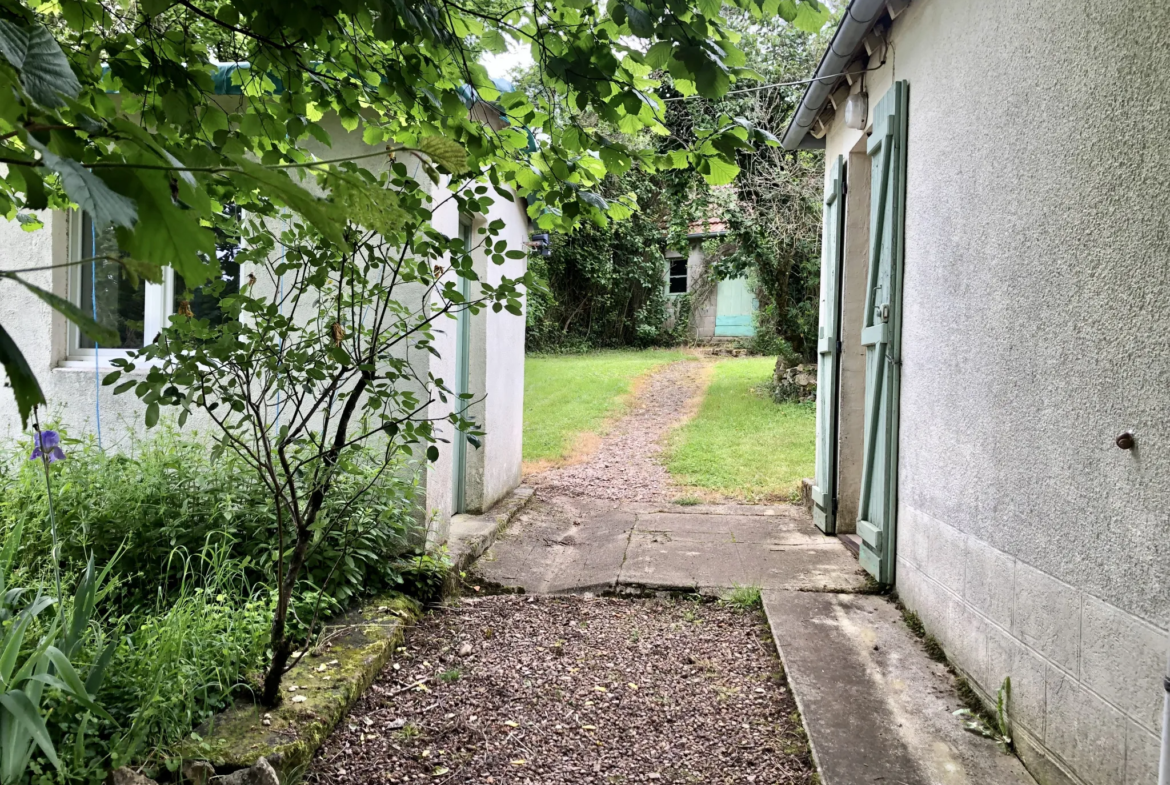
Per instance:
x=549, y=690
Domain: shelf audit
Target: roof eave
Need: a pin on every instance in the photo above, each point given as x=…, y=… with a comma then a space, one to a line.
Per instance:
x=859, y=19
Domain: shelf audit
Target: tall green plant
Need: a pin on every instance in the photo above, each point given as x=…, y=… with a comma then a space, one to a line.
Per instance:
x=25, y=674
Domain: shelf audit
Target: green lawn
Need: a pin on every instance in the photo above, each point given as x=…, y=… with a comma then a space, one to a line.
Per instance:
x=741, y=443
x=568, y=395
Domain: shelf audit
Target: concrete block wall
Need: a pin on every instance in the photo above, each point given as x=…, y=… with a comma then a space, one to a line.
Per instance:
x=1086, y=697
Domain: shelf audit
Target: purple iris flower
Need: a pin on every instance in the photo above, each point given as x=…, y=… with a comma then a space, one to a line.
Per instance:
x=48, y=443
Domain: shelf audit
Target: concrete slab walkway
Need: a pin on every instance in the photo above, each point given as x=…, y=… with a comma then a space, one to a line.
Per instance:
x=564, y=545
x=877, y=710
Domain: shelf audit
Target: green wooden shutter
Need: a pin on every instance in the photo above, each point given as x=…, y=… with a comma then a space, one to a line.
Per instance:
x=824, y=491
x=881, y=334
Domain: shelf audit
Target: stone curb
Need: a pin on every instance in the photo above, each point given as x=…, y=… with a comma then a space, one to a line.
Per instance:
x=471, y=535
x=361, y=643
x=318, y=691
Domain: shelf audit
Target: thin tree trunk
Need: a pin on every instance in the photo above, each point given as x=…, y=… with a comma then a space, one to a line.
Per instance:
x=282, y=645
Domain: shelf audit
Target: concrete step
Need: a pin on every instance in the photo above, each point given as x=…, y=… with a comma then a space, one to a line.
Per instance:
x=875, y=707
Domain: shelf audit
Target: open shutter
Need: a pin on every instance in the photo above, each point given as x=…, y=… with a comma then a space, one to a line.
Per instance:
x=882, y=333
x=824, y=491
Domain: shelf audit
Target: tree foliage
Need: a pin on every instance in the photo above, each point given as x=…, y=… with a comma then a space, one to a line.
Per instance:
x=602, y=294
x=114, y=107
x=774, y=220
x=125, y=110
x=602, y=286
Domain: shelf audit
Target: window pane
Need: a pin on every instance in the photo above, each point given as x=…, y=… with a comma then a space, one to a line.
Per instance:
x=204, y=301
x=106, y=292
x=678, y=276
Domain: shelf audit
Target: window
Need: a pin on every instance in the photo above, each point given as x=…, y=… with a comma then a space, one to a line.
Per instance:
x=104, y=290
x=678, y=276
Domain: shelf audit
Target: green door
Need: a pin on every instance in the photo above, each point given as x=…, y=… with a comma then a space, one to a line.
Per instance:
x=462, y=380
x=882, y=333
x=824, y=491
x=735, y=307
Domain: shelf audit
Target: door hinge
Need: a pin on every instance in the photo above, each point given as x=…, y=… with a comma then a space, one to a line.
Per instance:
x=838, y=347
x=834, y=505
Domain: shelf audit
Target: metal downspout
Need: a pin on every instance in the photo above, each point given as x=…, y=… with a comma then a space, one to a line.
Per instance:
x=858, y=19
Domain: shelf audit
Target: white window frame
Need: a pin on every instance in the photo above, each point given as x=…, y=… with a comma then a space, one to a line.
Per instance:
x=157, y=309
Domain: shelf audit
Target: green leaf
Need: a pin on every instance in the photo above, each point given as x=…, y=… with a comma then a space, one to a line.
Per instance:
x=615, y=161
x=164, y=234
x=324, y=217
x=432, y=453
x=809, y=18
x=71, y=678
x=35, y=197
x=720, y=172
x=641, y=24
x=368, y=204
x=712, y=80
x=710, y=7
x=444, y=152
x=152, y=415
x=99, y=333
x=494, y=42
x=89, y=191
x=25, y=714
x=595, y=200
x=659, y=54
x=20, y=377
x=44, y=69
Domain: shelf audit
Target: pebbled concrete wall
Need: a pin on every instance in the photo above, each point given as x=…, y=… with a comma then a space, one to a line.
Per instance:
x=1036, y=308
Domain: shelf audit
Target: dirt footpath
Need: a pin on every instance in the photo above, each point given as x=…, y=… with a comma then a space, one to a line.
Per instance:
x=624, y=465
x=575, y=690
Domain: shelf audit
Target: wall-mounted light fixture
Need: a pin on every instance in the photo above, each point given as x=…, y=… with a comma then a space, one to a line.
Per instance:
x=856, y=107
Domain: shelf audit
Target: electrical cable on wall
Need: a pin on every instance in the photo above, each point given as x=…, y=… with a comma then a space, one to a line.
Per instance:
x=784, y=84
x=97, y=381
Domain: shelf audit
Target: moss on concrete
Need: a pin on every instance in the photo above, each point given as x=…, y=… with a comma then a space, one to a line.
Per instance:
x=355, y=649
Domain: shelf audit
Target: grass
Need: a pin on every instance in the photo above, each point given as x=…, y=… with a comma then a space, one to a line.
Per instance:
x=566, y=396
x=744, y=598
x=741, y=443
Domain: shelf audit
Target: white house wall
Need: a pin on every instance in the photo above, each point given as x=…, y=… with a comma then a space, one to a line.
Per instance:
x=497, y=341
x=75, y=396
x=1036, y=313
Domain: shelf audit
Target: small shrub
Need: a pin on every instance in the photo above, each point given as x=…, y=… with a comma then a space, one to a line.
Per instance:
x=165, y=498
x=423, y=576
x=934, y=649
x=450, y=676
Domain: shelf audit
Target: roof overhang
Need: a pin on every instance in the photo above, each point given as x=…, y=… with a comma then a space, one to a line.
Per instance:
x=840, y=63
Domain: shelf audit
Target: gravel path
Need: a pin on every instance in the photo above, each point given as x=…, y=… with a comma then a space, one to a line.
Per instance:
x=575, y=690
x=624, y=467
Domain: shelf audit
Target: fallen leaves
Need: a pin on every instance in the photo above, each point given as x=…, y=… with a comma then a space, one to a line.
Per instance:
x=615, y=708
